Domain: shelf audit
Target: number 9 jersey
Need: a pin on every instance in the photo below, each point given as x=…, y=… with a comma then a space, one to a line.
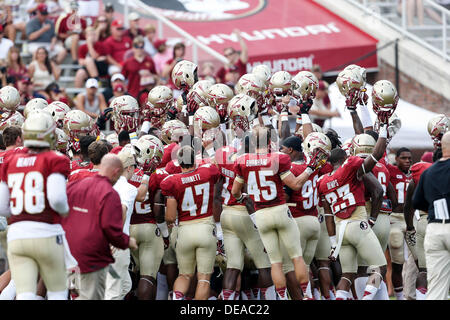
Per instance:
x=193, y=191
x=26, y=175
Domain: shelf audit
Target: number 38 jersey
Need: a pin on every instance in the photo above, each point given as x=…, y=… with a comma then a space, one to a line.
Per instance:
x=306, y=199
x=193, y=191
x=26, y=175
x=342, y=190
x=263, y=174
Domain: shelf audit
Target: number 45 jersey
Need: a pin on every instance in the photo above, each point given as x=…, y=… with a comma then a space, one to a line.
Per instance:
x=193, y=191
x=342, y=190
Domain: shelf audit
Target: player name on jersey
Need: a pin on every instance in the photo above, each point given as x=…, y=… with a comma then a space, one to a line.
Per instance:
x=195, y=177
x=256, y=162
x=228, y=173
x=332, y=184
x=25, y=162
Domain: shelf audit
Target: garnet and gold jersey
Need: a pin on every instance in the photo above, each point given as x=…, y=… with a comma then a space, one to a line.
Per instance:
x=263, y=174
x=26, y=175
x=341, y=189
x=170, y=152
x=306, y=199
x=4, y=155
x=400, y=181
x=81, y=174
x=79, y=164
x=224, y=159
x=417, y=169
x=193, y=191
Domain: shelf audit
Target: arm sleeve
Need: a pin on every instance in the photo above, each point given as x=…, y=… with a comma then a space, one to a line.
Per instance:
x=419, y=200
x=4, y=200
x=111, y=221
x=366, y=120
x=56, y=193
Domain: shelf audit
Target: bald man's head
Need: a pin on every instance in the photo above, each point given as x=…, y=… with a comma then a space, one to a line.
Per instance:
x=445, y=143
x=111, y=167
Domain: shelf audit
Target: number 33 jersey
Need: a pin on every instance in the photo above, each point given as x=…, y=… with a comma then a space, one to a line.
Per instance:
x=263, y=174
x=26, y=175
x=342, y=190
x=193, y=191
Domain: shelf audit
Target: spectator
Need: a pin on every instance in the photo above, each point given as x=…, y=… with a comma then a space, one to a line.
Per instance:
x=92, y=56
x=42, y=71
x=236, y=66
x=15, y=21
x=317, y=71
x=140, y=69
x=162, y=56
x=109, y=12
x=92, y=102
x=26, y=91
x=70, y=30
x=92, y=226
x=102, y=28
x=207, y=72
x=54, y=93
x=5, y=45
x=321, y=109
x=150, y=32
x=134, y=30
x=118, y=89
x=32, y=7
x=16, y=69
x=109, y=93
x=178, y=54
x=41, y=33
x=117, y=44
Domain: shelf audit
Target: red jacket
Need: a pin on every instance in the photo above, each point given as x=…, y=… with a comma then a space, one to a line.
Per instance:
x=94, y=222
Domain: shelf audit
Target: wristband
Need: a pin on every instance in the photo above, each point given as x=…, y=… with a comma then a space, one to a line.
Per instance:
x=163, y=228
x=309, y=170
x=299, y=119
x=333, y=241
x=284, y=116
x=145, y=126
x=383, y=132
x=219, y=233
x=210, y=152
x=305, y=118
x=145, y=179
x=191, y=120
x=366, y=120
x=133, y=136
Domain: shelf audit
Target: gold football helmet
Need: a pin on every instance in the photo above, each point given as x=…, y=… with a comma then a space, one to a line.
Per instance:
x=384, y=97
x=33, y=104
x=251, y=85
x=39, y=130
x=304, y=86
x=16, y=119
x=241, y=110
x=159, y=100
x=280, y=84
x=58, y=110
x=352, y=85
x=206, y=118
x=316, y=128
x=362, y=145
x=184, y=75
x=149, y=152
x=173, y=130
x=437, y=127
x=125, y=113
x=9, y=100
x=317, y=141
x=218, y=97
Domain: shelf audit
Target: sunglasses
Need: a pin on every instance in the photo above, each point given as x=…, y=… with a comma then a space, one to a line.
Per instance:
x=121, y=29
x=102, y=21
x=138, y=46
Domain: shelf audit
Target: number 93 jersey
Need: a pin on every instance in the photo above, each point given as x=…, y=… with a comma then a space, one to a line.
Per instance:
x=263, y=174
x=26, y=175
x=342, y=190
x=193, y=191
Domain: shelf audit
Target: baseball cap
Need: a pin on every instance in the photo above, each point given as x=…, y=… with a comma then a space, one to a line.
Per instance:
x=118, y=87
x=133, y=16
x=117, y=76
x=109, y=7
x=126, y=156
x=25, y=80
x=92, y=83
x=117, y=24
x=159, y=42
x=293, y=142
x=42, y=8
x=427, y=157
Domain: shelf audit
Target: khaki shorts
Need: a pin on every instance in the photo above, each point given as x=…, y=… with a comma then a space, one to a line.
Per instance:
x=396, y=238
x=150, y=250
x=309, y=228
x=3, y=241
x=381, y=230
x=276, y=226
x=239, y=233
x=196, y=246
x=359, y=239
x=170, y=256
x=323, y=247
x=118, y=288
x=29, y=258
x=92, y=285
x=420, y=237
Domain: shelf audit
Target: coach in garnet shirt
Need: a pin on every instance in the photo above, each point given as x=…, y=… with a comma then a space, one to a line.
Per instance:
x=117, y=44
x=139, y=69
x=93, y=224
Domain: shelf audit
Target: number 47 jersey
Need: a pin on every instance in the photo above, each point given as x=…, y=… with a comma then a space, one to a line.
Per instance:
x=193, y=191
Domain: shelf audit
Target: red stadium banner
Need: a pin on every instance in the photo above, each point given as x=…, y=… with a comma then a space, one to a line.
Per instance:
x=289, y=35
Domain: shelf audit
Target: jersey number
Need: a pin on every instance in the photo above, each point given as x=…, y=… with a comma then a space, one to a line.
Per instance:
x=344, y=193
x=401, y=187
x=309, y=192
x=225, y=193
x=253, y=185
x=142, y=207
x=382, y=180
x=31, y=197
x=188, y=203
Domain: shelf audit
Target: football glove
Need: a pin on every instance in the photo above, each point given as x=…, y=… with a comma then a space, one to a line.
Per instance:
x=410, y=237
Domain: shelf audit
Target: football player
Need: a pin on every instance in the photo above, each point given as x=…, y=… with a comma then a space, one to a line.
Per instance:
x=159, y=100
x=265, y=172
x=33, y=192
x=96, y=151
x=125, y=115
x=191, y=194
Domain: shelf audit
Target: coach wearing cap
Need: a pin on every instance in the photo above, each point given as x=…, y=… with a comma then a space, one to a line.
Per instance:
x=94, y=223
x=117, y=44
x=433, y=195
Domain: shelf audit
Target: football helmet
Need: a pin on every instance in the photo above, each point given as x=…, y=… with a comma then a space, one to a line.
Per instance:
x=62, y=141
x=206, y=118
x=33, y=104
x=356, y=68
x=125, y=113
x=304, y=86
x=159, y=100
x=77, y=124
x=184, y=75
x=241, y=110
x=39, y=130
x=316, y=128
x=251, y=85
x=113, y=138
x=173, y=130
x=149, y=152
x=317, y=141
x=384, y=97
x=218, y=97
x=263, y=72
x=9, y=101
x=16, y=119
x=437, y=127
x=352, y=85
x=362, y=145
x=58, y=110
x=198, y=95
x=347, y=146
x=280, y=84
